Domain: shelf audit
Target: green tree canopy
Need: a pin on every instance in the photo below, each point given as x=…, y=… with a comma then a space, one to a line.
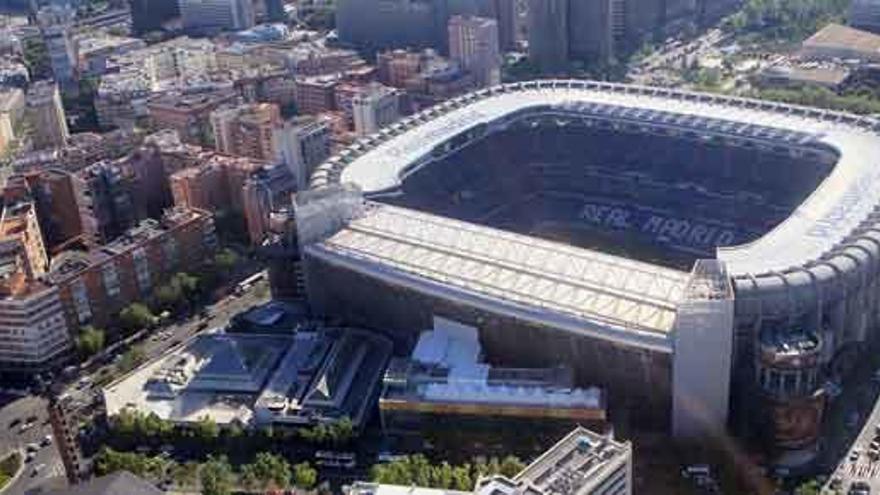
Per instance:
x=304, y=476
x=206, y=429
x=268, y=471
x=136, y=316
x=90, y=341
x=216, y=476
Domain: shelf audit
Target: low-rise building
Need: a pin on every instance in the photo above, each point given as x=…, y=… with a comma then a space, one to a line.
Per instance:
x=93, y=52
x=11, y=115
x=832, y=77
x=836, y=41
x=13, y=73
x=188, y=113
x=316, y=94
x=445, y=382
x=299, y=378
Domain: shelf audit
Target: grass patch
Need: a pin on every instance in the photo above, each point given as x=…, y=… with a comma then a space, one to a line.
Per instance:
x=8, y=467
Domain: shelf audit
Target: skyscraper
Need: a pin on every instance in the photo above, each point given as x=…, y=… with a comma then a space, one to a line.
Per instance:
x=149, y=15
x=473, y=42
x=208, y=16
x=591, y=29
x=548, y=34
x=381, y=24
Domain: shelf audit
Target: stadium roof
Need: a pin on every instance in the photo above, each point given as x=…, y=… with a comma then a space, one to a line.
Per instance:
x=841, y=202
x=529, y=278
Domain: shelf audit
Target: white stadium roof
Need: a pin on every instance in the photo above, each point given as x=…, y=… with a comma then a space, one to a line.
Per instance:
x=830, y=214
x=541, y=278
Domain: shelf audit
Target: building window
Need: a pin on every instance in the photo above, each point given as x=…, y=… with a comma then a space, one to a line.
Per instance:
x=169, y=249
x=142, y=270
x=81, y=301
x=111, y=280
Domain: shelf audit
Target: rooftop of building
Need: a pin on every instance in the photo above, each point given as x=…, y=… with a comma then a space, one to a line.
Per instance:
x=10, y=98
x=811, y=73
x=840, y=36
x=273, y=317
x=446, y=367
x=184, y=101
x=295, y=377
x=574, y=465
x=39, y=90
x=70, y=263
x=90, y=44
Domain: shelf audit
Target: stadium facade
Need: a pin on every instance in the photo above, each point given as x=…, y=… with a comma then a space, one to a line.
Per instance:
x=687, y=252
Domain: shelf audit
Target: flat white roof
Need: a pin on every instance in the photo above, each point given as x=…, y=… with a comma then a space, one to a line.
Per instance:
x=829, y=215
x=582, y=290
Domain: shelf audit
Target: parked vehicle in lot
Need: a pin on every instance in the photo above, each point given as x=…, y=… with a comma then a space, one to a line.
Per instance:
x=860, y=488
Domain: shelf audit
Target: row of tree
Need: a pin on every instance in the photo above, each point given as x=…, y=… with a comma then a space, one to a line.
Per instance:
x=132, y=428
x=863, y=102
x=215, y=476
x=418, y=470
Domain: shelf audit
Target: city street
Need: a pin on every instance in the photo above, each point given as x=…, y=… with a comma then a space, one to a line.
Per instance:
x=17, y=438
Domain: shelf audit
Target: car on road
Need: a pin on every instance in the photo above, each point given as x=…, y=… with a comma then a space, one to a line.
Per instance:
x=32, y=447
x=15, y=422
x=47, y=440
x=37, y=469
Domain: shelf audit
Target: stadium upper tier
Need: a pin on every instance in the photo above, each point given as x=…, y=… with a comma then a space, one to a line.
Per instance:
x=835, y=185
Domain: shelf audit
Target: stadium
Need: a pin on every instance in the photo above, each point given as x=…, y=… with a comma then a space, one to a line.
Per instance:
x=687, y=252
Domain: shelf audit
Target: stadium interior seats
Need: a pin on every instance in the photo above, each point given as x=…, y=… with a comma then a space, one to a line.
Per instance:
x=665, y=199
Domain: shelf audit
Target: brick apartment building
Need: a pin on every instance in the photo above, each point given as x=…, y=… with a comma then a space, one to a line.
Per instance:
x=95, y=285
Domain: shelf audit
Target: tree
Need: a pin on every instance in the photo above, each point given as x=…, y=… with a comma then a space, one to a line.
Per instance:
x=131, y=359
x=206, y=429
x=169, y=296
x=90, y=341
x=511, y=466
x=811, y=487
x=216, y=476
x=136, y=316
x=304, y=476
x=268, y=471
x=185, y=475
x=225, y=260
x=109, y=461
x=189, y=284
